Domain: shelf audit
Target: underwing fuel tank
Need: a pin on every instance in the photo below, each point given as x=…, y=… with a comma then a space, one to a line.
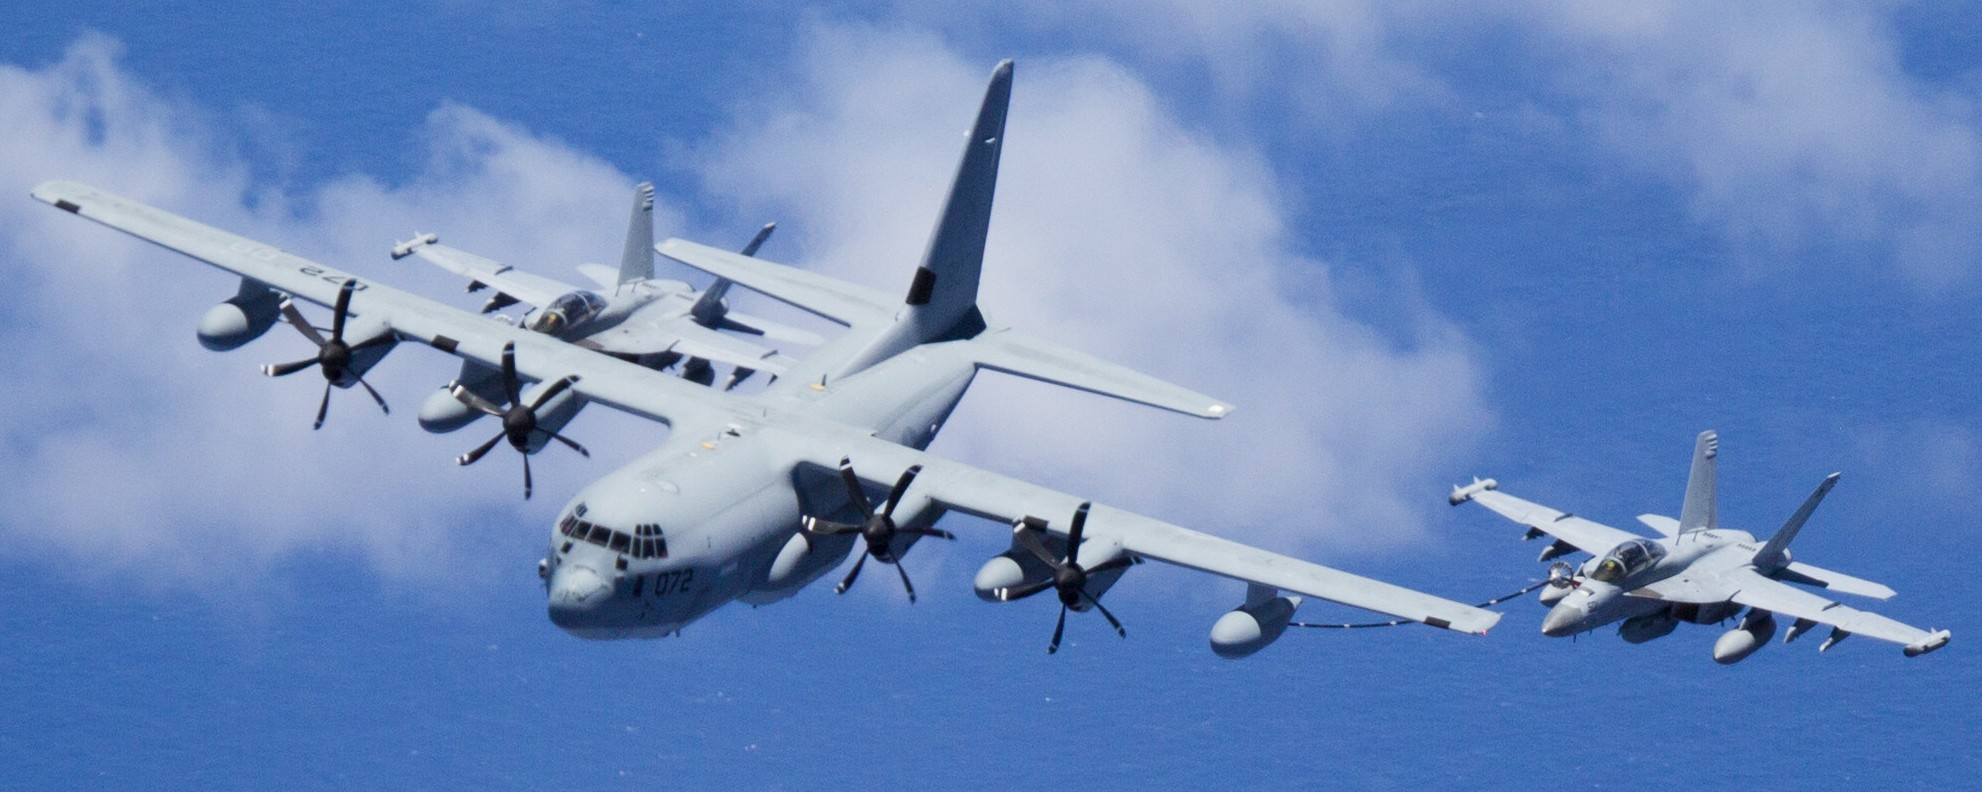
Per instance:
x=1737, y=644
x=1249, y=628
x=242, y=318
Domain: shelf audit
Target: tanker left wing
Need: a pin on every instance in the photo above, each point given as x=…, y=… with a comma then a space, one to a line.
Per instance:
x=382, y=314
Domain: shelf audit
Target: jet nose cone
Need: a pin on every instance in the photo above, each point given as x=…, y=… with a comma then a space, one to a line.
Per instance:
x=1562, y=620
x=575, y=592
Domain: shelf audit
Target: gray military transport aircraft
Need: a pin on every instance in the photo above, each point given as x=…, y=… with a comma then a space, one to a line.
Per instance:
x=753, y=496
x=1696, y=571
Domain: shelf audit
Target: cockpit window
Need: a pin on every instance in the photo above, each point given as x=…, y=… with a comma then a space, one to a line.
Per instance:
x=1628, y=559
x=645, y=541
x=568, y=311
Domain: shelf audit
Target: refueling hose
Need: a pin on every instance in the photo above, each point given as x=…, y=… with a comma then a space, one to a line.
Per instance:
x=1487, y=604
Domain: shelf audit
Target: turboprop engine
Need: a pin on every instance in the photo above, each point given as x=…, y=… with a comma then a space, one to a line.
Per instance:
x=1250, y=627
x=1755, y=630
x=242, y=318
x=443, y=412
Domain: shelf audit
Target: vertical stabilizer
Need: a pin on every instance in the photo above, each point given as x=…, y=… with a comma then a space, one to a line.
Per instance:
x=1775, y=554
x=637, y=262
x=1698, y=513
x=945, y=286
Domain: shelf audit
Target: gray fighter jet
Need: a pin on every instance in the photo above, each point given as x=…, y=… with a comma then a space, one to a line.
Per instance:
x=656, y=322
x=1695, y=571
x=753, y=496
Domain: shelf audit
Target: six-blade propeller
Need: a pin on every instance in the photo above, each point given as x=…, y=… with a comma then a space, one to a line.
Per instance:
x=879, y=529
x=519, y=421
x=1069, y=577
x=333, y=354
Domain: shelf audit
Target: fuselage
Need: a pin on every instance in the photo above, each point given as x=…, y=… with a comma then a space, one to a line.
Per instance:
x=1598, y=594
x=705, y=518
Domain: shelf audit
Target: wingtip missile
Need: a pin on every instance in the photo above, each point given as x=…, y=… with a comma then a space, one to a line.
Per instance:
x=1462, y=494
x=407, y=247
x=1933, y=641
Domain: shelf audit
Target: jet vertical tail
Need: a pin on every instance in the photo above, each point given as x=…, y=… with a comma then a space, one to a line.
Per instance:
x=636, y=263
x=1775, y=554
x=1698, y=511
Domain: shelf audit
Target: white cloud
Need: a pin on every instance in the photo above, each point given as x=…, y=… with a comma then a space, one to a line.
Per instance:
x=1122, y=232
x=1790, y=129
x=129, y=449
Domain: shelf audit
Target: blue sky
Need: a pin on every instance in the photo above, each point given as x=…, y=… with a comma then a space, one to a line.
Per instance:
x=1413, y=245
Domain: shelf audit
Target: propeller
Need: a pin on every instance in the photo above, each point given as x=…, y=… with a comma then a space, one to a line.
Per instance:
x=334, y=354
x=519, y=421
x=879, y=529
x=1069, y=577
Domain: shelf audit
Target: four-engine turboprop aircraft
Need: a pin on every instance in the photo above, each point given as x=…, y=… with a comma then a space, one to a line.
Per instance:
x=753, y=496
x=1696, y=571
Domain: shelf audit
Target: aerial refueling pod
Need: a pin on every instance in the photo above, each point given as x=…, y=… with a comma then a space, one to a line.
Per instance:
x=1251, y=626
x=252, y=310
x=1734, y=646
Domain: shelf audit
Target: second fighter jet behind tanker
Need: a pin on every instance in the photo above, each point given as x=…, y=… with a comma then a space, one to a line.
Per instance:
x=1695, y=571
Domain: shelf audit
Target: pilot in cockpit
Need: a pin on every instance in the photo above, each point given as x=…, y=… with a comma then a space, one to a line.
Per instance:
x=1627, y=559
x=571, y=310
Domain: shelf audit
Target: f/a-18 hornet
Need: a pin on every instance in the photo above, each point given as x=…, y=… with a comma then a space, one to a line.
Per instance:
x=752, y=496
x=1695, y=571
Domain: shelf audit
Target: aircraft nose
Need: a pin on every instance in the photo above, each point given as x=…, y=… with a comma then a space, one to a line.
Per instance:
x=1562, y=620
x=575, y=592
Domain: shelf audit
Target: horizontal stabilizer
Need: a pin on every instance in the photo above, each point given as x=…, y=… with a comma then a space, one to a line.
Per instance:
x=834, y=299
x=1799, y=572
x=1666, y=526
x=1015, y=353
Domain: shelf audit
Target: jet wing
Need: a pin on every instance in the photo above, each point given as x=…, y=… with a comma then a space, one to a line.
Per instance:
x=831, y=298
x=682, y=335
x=960, y=487
x=540, y=357
x=535, y=290
x=1745, y=586
x=1589, y=537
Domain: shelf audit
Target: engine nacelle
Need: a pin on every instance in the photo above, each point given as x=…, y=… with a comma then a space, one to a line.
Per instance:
x=1651, y=626
x=1737, y=644
x=803, y=559
x=242, y=318
x=1249, y=628
x=1006, y=570
x=442, y=413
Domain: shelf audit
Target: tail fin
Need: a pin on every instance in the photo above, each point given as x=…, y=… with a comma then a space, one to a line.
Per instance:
x=637, y=262
x=1698, y=513
x=1775, y=554
x=710, y=311
x=944, y=291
